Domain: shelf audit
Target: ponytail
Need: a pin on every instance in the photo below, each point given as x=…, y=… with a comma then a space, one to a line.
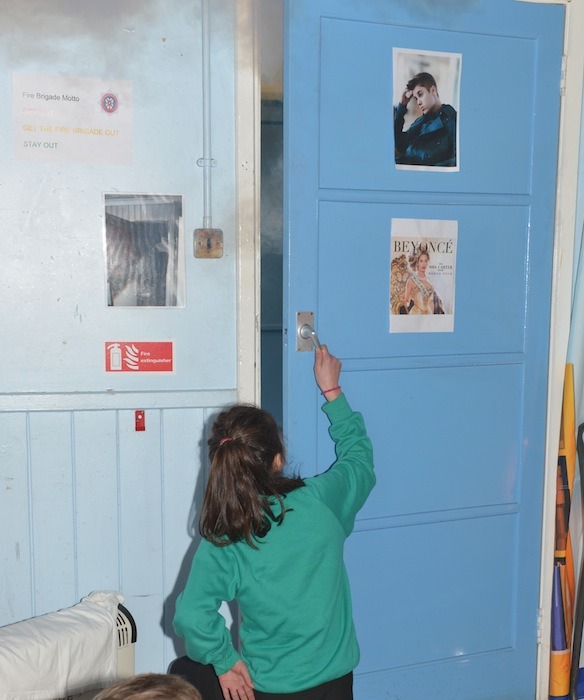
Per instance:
x=244, y=487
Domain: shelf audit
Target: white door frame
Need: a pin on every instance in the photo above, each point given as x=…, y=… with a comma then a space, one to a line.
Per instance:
x=561, y=303
x=247, y=134
x=248, y=246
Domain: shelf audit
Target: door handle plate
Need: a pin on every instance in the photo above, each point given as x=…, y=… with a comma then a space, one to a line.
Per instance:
x=302, y=318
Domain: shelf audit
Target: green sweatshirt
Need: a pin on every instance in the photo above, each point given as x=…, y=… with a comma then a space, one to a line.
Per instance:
x=293, y=593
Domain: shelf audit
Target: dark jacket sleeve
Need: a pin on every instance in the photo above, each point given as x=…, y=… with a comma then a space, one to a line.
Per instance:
x=401, y=136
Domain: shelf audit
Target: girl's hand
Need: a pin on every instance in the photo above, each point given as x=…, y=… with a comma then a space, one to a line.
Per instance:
x=236, y=684
x=327, y=370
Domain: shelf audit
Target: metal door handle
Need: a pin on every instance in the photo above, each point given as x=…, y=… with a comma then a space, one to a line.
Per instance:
x=306, y=331
x=306, y=338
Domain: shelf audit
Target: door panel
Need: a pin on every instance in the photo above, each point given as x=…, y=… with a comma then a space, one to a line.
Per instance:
x=421, y=468
x=355, y=236
x=465, y=627
x=364, y=97
x=444, y=560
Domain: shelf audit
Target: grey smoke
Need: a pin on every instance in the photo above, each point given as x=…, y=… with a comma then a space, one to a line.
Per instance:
x=84, y=36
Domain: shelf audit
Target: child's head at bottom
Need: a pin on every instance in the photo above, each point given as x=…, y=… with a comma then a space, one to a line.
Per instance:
x=151, y=686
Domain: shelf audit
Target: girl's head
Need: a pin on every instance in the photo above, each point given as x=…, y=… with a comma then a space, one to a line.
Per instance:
x=247, y=455
x=247, y=432
x=151, y=686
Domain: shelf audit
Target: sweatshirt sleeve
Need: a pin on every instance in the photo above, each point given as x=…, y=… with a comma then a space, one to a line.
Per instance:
x=344, y=488
x=214, y=578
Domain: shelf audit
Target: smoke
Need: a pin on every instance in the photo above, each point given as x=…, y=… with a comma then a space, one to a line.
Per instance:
x=51, y=20
x=272, y=226
x=272, y=177
x=271, y=24
x=82, y=35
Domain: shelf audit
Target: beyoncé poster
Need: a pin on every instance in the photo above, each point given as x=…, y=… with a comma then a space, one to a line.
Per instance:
x=422, y=275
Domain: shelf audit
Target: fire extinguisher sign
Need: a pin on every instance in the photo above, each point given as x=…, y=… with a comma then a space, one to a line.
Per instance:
x=136, y=356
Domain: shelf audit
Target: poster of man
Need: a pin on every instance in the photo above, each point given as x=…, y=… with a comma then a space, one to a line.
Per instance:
x=422, y=275
x=426, y=112
x=144, y=247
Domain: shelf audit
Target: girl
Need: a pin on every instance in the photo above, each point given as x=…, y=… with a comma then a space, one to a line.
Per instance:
x=275, y=545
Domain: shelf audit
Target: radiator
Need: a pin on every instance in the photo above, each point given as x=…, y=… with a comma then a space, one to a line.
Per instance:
x=69, y=653
x=127, y=636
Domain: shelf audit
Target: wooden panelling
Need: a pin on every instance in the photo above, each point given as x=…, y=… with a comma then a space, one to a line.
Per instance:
x=52, y=506
x=92, y=504
x=97, y=514
x=15, y=544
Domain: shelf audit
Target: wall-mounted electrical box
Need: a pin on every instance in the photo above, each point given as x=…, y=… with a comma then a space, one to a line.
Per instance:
x=208, y=243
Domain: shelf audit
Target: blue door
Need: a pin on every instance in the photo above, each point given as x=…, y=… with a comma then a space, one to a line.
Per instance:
x=444, y=561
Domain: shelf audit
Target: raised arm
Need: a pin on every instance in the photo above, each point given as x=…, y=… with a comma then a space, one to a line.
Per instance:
x=327, y=370
x=346, y=485
x=399, y=113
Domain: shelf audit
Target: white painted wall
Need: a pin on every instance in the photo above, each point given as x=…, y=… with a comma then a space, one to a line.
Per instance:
x=86, y=502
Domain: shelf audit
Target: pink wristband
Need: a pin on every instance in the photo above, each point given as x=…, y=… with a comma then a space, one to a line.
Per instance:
x=327, y=391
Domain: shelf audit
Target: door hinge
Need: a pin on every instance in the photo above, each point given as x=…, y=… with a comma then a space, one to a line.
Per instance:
x=539, y=626
x=563, y=75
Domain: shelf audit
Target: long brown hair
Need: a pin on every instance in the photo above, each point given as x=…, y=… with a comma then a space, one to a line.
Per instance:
x=243, y=485
x=151, y=686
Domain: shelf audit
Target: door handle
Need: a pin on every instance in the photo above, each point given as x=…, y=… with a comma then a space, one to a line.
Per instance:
x=307, y=331
x=306, y=337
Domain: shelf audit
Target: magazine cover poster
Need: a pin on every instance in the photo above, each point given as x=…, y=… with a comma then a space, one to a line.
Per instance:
x=422, y=275
x=144, y=250
x=426, y=110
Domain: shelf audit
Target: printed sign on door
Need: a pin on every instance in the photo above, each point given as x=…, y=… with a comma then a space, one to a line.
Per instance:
x=136, y=356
